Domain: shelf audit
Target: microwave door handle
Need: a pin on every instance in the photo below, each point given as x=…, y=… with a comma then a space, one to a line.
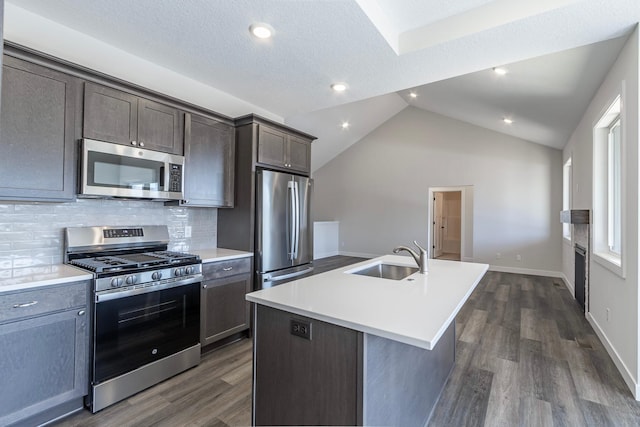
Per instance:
x=162, y=177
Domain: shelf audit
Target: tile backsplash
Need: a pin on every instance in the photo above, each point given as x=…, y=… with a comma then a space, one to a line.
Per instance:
x=32, y=234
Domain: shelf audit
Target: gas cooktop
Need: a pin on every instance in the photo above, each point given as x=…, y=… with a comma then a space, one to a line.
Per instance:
x=109, y=263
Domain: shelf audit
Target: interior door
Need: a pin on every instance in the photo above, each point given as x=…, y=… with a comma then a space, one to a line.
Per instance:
x=438, y=224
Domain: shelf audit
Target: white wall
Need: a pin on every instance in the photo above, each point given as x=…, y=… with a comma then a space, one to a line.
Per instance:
x=378, y=189
x=607, y=289
x=325, y=239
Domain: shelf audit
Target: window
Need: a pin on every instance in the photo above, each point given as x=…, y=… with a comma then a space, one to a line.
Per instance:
x=608, y=188
x=566, y=196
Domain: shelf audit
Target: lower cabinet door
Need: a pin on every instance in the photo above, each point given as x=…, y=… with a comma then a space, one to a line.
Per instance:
x=224, y=310
x=43, y=363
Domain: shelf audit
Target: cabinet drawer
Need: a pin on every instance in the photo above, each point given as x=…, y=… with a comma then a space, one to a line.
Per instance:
x=216, y=270
x=23, y=304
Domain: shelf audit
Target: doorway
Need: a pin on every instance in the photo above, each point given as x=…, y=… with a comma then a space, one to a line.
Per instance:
x=447, y=225
x=451, y=223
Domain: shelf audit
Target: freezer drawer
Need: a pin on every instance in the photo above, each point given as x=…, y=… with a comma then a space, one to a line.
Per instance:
x=275, y=278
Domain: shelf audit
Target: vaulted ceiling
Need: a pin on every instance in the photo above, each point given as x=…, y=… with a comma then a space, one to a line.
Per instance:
x=441, y=50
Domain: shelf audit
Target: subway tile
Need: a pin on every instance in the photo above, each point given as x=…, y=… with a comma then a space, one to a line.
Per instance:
x=32, y=234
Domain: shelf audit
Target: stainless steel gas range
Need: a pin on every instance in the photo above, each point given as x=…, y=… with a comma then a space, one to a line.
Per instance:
x=146, y=308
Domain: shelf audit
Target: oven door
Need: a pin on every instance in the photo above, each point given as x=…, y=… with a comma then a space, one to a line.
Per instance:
x=114, y=170
x=133, y=331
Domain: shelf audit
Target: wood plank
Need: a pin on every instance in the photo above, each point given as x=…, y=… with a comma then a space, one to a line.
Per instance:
x=529, y=325
x=474, y=327
x=504, y=400
x=471, y=404
x=535, y=413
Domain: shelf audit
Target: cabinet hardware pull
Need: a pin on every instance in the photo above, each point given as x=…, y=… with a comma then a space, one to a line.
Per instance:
x=204, y=286
x=81, y=313
x=133, y=143
x=26, y=304
x=141, y=144
x=227, y=269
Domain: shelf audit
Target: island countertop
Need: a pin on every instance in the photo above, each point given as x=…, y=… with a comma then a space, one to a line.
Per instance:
x=416, y=310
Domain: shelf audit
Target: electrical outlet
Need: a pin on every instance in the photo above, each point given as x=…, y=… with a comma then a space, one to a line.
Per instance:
x=498, y=255
x=608, y=314
x=300, y=328
x=187, y=231
x=518, y=257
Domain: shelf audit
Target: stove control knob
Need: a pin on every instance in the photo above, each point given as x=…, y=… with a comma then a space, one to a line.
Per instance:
x=130, y=280
x=116, y=282
x=189, y=270
x=178, y=272
x=156, y=275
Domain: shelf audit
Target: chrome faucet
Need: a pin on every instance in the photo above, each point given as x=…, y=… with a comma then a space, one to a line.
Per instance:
x=421, y=259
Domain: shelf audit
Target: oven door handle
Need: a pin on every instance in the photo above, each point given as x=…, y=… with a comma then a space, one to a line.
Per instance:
x=139, y=289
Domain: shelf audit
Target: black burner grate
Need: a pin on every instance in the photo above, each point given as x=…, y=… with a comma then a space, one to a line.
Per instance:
x=103, y=264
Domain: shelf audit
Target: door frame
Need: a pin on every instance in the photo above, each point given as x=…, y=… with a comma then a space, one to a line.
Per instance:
x=466, y=219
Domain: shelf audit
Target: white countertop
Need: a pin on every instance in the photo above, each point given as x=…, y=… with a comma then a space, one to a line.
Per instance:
x=33, y=277
x=219, y=254
x=414, y=312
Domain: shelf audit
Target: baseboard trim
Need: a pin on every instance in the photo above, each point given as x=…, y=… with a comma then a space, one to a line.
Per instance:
x=359, y=254
x=530, y=271
x=622, y=368
x=325, y=255
x=568, y=284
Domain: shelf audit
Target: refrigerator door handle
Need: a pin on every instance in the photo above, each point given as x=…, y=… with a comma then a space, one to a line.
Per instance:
x=297, y=220
x=292, y=219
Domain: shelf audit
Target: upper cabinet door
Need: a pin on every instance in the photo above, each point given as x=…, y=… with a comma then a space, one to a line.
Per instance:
x=110, y=115
x=209, y=162
x=114, y=116
x=281, y=150
x=299, y=154
x=159, y=127
x=37, y=132
x=272, y=147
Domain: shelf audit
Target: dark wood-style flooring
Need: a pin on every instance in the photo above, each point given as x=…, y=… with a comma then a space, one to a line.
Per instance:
x=525, y=356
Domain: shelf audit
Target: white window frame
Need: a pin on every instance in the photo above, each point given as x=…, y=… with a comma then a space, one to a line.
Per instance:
x=567, y=182
x=613, y=199
x=604, y=217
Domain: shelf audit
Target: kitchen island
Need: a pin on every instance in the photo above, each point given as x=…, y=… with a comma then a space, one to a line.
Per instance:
x=347, y=349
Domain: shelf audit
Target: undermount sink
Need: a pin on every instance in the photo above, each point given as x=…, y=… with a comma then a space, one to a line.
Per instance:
x=386, y=271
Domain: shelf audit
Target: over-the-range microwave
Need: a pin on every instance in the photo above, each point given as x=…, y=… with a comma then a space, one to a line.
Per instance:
x=113, y=170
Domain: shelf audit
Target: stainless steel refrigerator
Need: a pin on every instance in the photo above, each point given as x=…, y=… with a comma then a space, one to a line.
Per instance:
x=284, y=235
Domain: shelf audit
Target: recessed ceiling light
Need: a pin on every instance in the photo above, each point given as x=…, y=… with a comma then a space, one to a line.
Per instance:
x=507, y=120
x=345, y=125
x=261, y=30
x=500, y=71
x=339, y=87
x=413, y=95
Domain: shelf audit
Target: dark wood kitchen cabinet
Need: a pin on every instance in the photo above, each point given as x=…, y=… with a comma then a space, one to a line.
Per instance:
x=224, y=310
x=115, y=116
x=209, y=162
x=283, y=150
x=312, y=380
x=44, y=337
x=38, y=131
